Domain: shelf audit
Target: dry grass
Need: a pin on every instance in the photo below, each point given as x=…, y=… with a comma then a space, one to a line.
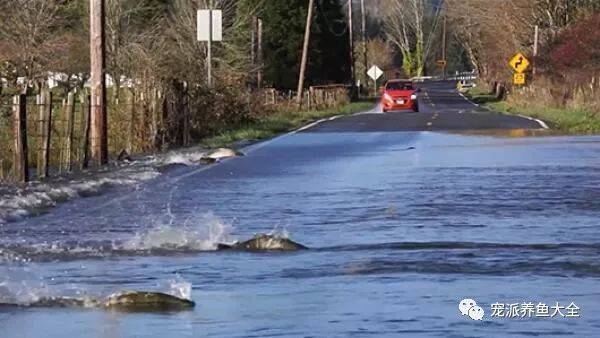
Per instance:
x=570, y=109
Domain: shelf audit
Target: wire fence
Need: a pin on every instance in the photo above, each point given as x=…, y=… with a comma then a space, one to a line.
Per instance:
x=57, y=124
x=57, y=129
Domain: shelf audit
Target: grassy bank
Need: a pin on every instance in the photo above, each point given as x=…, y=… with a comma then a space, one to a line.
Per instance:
x=278, y=123
x=563, y=119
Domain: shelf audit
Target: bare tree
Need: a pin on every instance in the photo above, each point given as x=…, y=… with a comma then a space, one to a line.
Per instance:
x=26, y=31
x=404, y=27
x=491, y=32
x=125, y=32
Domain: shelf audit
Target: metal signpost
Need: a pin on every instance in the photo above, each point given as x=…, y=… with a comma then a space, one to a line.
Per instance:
x=375, y=73
x=210, y=28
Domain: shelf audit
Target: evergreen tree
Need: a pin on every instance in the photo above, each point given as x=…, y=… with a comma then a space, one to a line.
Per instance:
x=283, y=36
x=285, y=22
x=329, y=58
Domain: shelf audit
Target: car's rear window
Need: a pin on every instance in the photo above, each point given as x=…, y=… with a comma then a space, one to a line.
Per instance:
x=399, y=86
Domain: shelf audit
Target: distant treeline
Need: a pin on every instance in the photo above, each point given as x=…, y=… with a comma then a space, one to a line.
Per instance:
x=156, y=39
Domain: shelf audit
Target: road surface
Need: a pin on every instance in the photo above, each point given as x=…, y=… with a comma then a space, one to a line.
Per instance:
x=442, y=108
x=404, y=220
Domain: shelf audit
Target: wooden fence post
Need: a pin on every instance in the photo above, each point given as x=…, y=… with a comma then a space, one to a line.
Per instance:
x=21, y=164
x=186, y=115
x=131, y=122
x=86, y=108
x=40, y=101
x=46, y=134
x=154, y=114
x=70, y=127
x=61, y=138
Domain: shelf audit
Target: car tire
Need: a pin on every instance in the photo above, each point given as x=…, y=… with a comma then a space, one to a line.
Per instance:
x=416, y=108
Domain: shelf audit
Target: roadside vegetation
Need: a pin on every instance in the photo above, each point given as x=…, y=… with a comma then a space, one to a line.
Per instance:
x=158, y=97
x=281, y=122
x=568, y=120
x=565, y=88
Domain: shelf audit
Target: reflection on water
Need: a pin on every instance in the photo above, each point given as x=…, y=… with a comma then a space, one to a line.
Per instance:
x=398, y=237
x=512, y=133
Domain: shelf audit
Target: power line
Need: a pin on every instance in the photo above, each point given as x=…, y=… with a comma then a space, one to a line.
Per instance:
x=320, y=10
x=433, y=30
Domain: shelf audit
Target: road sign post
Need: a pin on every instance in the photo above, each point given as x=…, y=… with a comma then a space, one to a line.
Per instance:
x=375, y=73
x=519, y=64
x=209, y=29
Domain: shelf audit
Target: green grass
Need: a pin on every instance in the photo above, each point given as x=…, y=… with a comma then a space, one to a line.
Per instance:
x=278, y=123
x=571, y=121
x=565, y=120
x=480, y=96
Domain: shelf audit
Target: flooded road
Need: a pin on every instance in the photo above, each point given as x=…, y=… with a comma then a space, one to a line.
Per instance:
x=401, y=226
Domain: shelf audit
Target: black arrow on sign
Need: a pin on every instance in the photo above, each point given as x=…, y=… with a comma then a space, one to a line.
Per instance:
x=518, y=63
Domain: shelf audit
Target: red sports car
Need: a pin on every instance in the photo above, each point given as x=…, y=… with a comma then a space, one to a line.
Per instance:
x=399, y=95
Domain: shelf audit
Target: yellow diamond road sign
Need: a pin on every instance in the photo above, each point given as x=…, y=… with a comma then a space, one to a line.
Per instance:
x=519, y=79
x=519, y=63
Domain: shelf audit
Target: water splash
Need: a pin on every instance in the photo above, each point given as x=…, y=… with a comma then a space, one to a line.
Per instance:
x=20, y=285
x=204, y=234
x=183, y=157
x=199, y=232
x=177, y=287
x=36, y=197
x=10, y=257
x=279, y=231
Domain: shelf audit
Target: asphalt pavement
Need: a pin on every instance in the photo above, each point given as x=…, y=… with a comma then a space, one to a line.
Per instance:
x=442, y=108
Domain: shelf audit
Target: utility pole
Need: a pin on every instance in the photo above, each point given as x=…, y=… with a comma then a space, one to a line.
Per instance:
x=99, y=140
x=444, y=49
x=535, y=47
x=253, y=41
x=351, y=36
x=260, y=53
x=364, y=39
x=305, y=51
x=209, y=47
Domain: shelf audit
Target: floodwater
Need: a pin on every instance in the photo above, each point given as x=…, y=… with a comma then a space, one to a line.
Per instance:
x=398, y=237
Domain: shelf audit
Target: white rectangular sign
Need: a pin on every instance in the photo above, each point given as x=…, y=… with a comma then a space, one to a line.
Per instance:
x=203, y=25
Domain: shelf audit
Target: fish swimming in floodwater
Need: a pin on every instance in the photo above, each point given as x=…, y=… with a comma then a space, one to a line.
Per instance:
x=65, y=302
x=264, y=242
x=147, y=301
x=218, y=154
x=133, y=301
